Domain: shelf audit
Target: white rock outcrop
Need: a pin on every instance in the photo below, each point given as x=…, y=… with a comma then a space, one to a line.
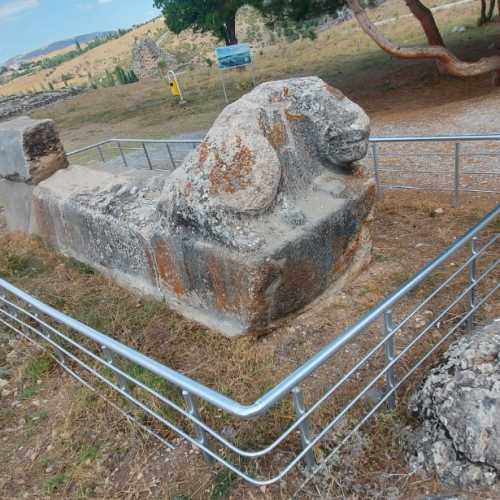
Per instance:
x=459, y=403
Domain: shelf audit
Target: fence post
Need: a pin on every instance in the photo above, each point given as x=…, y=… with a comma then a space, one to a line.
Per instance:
x=305, y=431
x=456, y=187
x=170, y=155
x=147, y=156
x=375, y=169
x=472, y=282
x=100, y=153
x=389, y=357
x=109, y=356
x=124, y=159
x=201, y=437
x=58, y=353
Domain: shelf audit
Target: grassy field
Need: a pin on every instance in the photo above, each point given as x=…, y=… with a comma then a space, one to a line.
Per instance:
x=343, y=56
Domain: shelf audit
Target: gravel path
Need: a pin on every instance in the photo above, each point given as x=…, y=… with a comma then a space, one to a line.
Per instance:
x=413, y=160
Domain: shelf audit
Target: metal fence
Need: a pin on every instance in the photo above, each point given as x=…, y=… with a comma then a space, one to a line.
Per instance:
x=320, y=405
x=148, y=154
x=466, y=163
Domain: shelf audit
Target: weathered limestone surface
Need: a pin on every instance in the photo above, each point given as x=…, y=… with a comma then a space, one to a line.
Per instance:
x=459, y=403
x=262, y=218
x=16, y=197
x=30, y=150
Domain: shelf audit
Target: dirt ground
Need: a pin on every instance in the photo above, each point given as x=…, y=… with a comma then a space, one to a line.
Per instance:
x=60, y=441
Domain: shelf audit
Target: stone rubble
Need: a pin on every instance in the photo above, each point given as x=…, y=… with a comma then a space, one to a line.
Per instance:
x=21, y=104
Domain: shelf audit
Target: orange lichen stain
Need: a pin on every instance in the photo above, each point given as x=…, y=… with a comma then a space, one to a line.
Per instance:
x=278, y=137
x=294, y=118
x=216, y=271
x=45, y=220
x=235, y=175
x=167, y=269
x=334, y=91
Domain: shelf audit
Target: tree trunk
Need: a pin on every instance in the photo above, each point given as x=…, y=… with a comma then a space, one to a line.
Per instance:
x=450, y=64
x=427, y=21
x=230, y=26
x=482, y=17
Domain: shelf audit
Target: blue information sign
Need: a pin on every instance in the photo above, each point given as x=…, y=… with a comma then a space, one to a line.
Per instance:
x=233, y=56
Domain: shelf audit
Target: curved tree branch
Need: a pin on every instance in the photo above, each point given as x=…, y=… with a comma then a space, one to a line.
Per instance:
x=448, y=62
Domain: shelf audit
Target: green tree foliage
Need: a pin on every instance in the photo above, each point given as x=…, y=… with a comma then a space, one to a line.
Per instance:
x=295, y=18
x=215, y=16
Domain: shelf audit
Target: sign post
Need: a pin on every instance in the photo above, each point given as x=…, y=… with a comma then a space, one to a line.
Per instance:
x=233, y=56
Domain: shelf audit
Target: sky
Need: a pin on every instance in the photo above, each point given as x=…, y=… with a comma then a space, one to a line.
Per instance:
x=26, y=25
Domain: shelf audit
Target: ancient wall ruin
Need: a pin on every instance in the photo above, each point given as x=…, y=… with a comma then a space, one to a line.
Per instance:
x=148, y=56
x=264, y=216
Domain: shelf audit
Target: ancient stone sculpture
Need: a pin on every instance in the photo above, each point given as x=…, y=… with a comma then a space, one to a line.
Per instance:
x=257, y=222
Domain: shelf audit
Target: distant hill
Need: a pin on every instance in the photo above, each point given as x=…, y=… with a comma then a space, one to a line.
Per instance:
x=61, y=44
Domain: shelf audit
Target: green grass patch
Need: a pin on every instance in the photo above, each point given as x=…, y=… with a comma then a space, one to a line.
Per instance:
x=38, y=368
x=28, y=393
x=55, y=483
x=82, y=268
x=223, y=483
x=88, y=452
x=24, y=266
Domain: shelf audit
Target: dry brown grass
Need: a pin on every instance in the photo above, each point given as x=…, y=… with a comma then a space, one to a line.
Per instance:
x=243, y=368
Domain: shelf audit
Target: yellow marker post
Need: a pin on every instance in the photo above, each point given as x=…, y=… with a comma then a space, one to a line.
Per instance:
x=175, y=88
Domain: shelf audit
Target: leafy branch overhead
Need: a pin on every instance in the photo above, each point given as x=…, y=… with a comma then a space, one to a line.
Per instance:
x=215, y=16
x=219, y=18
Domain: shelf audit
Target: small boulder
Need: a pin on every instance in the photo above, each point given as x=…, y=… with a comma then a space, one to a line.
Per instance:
x=459, y=405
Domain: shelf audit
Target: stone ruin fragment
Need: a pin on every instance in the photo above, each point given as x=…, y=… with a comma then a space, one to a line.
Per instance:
x=263, y=217
x=147, y=56
x=458, y=407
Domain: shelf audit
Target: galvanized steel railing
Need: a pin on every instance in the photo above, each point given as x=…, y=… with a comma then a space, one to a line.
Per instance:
x=457, y=175
x=395, y=164
x=171, y=155
x=177, y=404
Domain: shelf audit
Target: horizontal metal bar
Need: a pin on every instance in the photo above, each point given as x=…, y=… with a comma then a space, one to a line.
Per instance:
x=134, y=141
x=438, y=190
x=413, y=172
x=438, y=138
x=87, y=148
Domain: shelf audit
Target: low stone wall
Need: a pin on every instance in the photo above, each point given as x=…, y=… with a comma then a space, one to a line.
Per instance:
x=21, y=104
x=260, y=220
